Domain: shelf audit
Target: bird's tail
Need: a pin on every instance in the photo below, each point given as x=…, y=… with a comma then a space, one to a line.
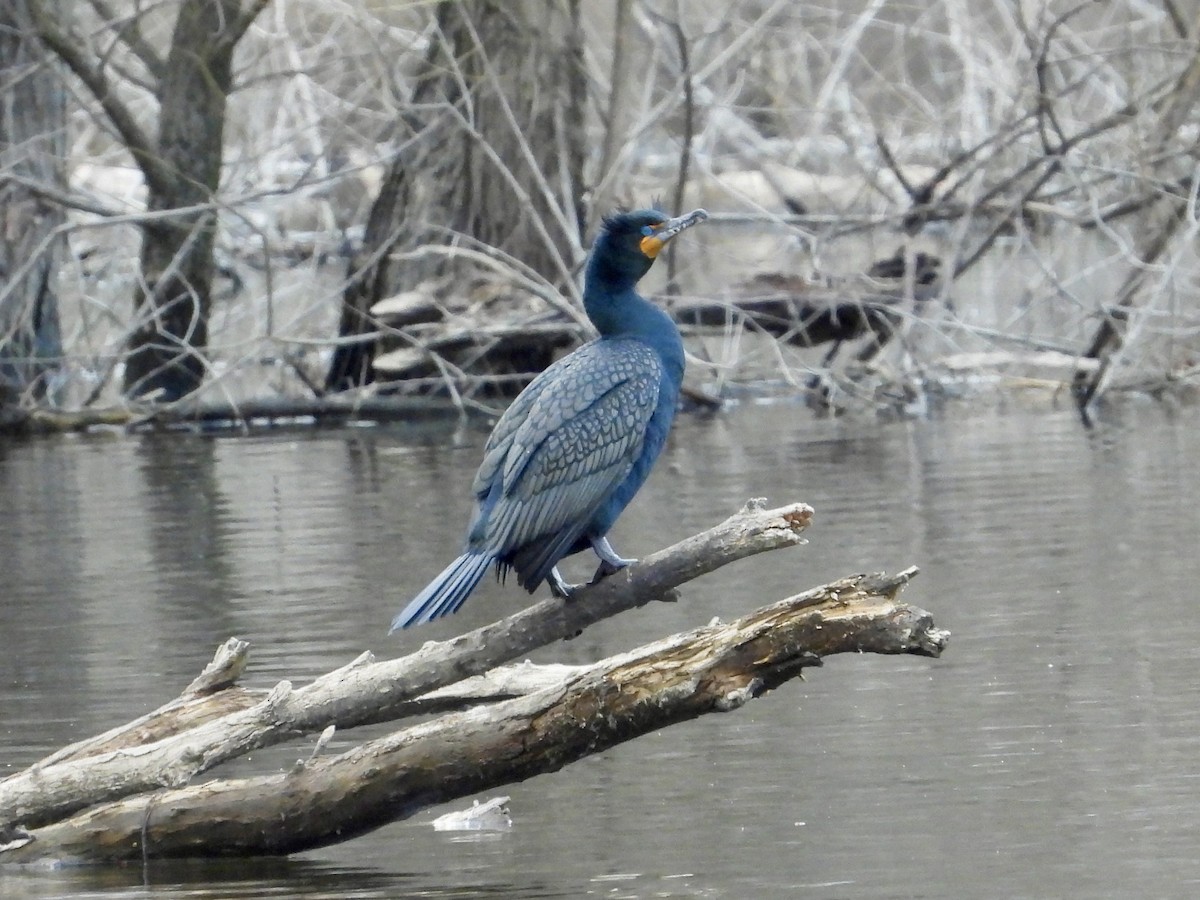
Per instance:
x=446, y=593
x=534, y=561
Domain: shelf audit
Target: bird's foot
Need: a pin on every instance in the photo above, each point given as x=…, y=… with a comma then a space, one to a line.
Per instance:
x=610, y=560
x=559, y=587
x=607, y=568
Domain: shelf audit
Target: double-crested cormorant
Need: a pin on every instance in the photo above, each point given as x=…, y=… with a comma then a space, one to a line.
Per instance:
x=575, y=446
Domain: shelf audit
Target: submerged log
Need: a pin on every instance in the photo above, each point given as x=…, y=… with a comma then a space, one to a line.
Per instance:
x=127, y=795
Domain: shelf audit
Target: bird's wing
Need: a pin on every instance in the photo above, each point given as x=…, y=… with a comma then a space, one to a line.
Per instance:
x=575, y=443
x=501, y=439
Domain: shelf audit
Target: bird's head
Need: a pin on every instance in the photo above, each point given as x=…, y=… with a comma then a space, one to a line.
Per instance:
x=629, y=242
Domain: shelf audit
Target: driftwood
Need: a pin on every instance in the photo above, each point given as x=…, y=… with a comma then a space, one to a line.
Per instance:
x=521, y=349
x=493, y=339
x=809, y=312
x=128, y=794
x=440, y=346
x=369, y=404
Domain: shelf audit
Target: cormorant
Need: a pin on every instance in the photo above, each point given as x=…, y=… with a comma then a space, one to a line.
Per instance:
x=575, y=446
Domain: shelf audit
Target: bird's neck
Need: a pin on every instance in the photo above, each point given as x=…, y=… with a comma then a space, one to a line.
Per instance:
x=611, y=301
x=621, y=312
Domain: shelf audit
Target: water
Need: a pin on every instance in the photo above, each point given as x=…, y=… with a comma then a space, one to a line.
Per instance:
x=1052, y=752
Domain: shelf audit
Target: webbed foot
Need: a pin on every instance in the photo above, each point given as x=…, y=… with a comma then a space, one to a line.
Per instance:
x=606, y=568
x=610, y=560
x=559, y=586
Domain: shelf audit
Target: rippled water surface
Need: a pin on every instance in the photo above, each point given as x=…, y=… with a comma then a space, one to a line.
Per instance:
x=1054, y=751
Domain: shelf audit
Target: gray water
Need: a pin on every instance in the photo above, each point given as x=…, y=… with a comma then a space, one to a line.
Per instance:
x=1053, y=752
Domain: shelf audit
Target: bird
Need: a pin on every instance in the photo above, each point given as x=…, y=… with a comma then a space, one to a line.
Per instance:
x=574, y=447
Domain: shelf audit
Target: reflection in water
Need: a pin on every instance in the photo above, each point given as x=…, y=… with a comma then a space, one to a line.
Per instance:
x=40, y=541
x=187, y=528
x=1051, y=753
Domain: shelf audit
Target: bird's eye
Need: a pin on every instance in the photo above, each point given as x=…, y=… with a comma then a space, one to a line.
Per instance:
x=647, y=230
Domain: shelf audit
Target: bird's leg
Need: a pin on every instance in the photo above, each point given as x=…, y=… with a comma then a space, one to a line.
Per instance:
x=609, y=560
x=559, y=586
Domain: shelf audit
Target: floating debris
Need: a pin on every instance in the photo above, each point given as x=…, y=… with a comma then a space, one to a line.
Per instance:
x=490, y=816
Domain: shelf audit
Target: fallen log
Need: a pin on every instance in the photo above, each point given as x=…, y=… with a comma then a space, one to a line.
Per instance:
x=491, y=335
x=522, y=349
x=809, y=312
x=366, y=692
x=128, y=794
x=717, y=668
x=197, y=415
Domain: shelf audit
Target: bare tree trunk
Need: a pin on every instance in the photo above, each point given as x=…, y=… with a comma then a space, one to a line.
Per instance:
x=619, y=113
x=506, y=180
x=499, y=111
x=367, y=284
x=167, y=348
x=32, y=145
x=182, y=169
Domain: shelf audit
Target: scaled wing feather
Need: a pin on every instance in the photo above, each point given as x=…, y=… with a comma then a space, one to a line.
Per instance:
x=572, y=448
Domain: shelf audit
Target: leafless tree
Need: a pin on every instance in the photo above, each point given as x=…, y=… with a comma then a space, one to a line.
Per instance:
x=494, y=133
x=32, y=143
x=179, y=153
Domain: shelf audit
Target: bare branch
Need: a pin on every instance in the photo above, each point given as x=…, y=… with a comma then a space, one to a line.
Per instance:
x=139, y=144
x=242, y=19
x=130, y=33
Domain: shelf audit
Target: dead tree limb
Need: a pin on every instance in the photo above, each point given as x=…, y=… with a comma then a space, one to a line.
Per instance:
x=717, y=668
x=212, y=694
x=366, y=692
